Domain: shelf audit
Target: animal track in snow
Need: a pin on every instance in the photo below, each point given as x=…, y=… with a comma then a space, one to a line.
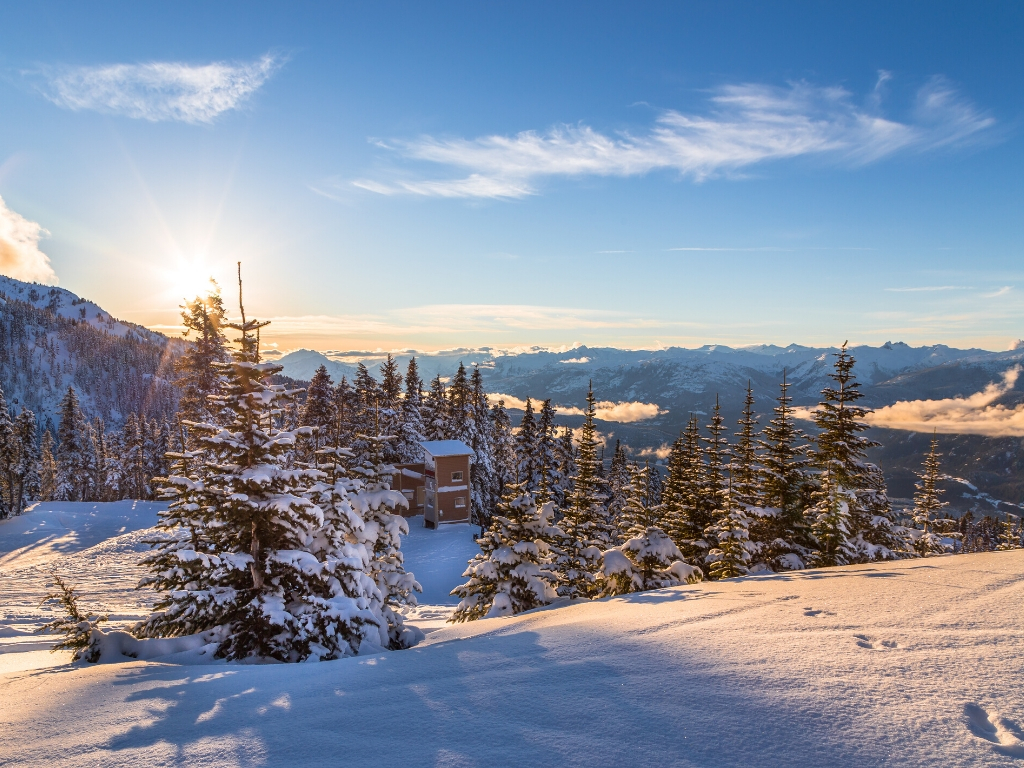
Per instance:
x=817, y=612
x=1004, y=734
x=875, y=645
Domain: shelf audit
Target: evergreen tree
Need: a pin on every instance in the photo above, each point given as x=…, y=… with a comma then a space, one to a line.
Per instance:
x=503, y=447
x=483, y=473
x=71, y=458
x=460, y=408
x=731, y=557
x=48, y=469
x=619, y=480
x=840, y=452
x=528, y=467
x=584, y=520
x=435, y=411
x=258, y=584
x=197, y=373
x=566, y=456
x=390, y=417
x=744, y=467
x=511, y=574
x=831, y=524
x=28, y=467
x=411, y=430
x=782, y=538
x=319, y=412
x=690, y=511
x=1009, y=535
x=928, y=503
x=549, y=476
x=717, y=458
x=8, y=460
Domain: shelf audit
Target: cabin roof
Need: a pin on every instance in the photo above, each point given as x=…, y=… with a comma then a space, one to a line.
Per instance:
x=437, y=448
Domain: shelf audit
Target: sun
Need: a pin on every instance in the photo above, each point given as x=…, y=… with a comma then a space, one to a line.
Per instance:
x=189, y=278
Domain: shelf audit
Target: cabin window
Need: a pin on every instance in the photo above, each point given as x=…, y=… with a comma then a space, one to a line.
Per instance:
x=460, y=501
x=457, y=477
x=407, y=494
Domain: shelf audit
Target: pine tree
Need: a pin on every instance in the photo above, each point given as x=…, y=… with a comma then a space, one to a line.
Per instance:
x=688, y=509
x=390, y=405
x=48, y=469
x=528, y=467
x=744, y=467
x=831, y=524
x=503, y=446
x=782, y=539
x=619, y=479
x=435, y=411
x=28, y=467
x=460, y=408
x=71, y=458
x=483, y=473
x=717, y=457
x=584, y=520
x=928, y=503
x=78, y=627
x=1009, y=534
x=840, y=452
x=411, y=430
x=197, y=373
x=567, y=469
x=8, y=460
x=319, y=412
x=511, y=574
x=731, y=557
x=258, y=583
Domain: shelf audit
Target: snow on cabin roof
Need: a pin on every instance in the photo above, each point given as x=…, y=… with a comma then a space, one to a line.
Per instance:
x=438, y=448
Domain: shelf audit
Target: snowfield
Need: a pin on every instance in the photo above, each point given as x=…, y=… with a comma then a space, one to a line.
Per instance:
x=910, y=663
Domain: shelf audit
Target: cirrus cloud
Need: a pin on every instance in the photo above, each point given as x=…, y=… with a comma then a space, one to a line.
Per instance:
x=606, y=410
x=160, y=90
x=746, y=124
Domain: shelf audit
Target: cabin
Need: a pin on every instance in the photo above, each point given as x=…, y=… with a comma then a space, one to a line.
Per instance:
x=439, y=488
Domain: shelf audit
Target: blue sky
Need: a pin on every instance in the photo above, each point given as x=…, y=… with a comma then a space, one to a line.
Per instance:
x=428, y=176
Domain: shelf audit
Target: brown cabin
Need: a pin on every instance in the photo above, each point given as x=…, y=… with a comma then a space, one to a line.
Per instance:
x=439, y=488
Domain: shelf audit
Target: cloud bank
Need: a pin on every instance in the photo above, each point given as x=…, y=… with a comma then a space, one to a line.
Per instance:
x=624, y=413
x=978, y=414
x=158, y=91
x=745, y=124
x=20, y=256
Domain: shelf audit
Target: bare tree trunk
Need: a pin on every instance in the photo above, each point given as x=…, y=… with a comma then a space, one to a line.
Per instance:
x=254, y=567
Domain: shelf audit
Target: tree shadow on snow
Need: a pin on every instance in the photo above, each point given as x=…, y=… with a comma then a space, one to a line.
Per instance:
x=601, y=697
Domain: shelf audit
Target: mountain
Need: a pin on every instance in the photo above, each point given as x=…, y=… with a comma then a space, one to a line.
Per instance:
x=51, y=339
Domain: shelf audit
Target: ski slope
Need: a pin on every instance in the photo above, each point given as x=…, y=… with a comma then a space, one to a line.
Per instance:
x=912, y=663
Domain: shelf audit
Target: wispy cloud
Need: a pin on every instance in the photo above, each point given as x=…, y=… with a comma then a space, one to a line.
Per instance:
x=160, y=90
x=928, y=288
x=745, y=124
x=20, y=256
x=999, y=292
x=977, y=414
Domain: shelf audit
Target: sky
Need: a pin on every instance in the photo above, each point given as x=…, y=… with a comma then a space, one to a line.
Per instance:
x=428, y=176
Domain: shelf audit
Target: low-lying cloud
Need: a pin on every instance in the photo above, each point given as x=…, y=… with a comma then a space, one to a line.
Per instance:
x=20, y=256
x=745, y=124
x=159, y=90
x=978, y=414
x=606, y=410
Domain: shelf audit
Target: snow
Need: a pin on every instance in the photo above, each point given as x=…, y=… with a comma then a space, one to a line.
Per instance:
x=441, y=448
x=913, y=663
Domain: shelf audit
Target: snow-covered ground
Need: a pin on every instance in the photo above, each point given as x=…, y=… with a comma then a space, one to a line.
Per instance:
x=910, y=663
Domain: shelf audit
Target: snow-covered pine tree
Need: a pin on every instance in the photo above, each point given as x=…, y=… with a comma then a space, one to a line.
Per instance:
x=365, y=417
x=731, y=556
x=780, y=533
x=840, y=450
x=687, y=511
x=71, y=458
x=47, y=468
x=435, y=411
x=460, y=408
x=648, y=558
x=318, y=412
x=346, y=414
x=483, y=473
x=717, y=458
x=8, y=460
x=383, y=527
x=503, y=446
x=259, y=584
x=511, y=574
x=584, y=519
x=197, y=373
x=744, y=467
x=411, y=429
x=830, y=524
x=928, y=503
x=620, y=477
x=28, y=467
x=567, y=469
x=528, y=464
x=390, y=418
x=1009, y=533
